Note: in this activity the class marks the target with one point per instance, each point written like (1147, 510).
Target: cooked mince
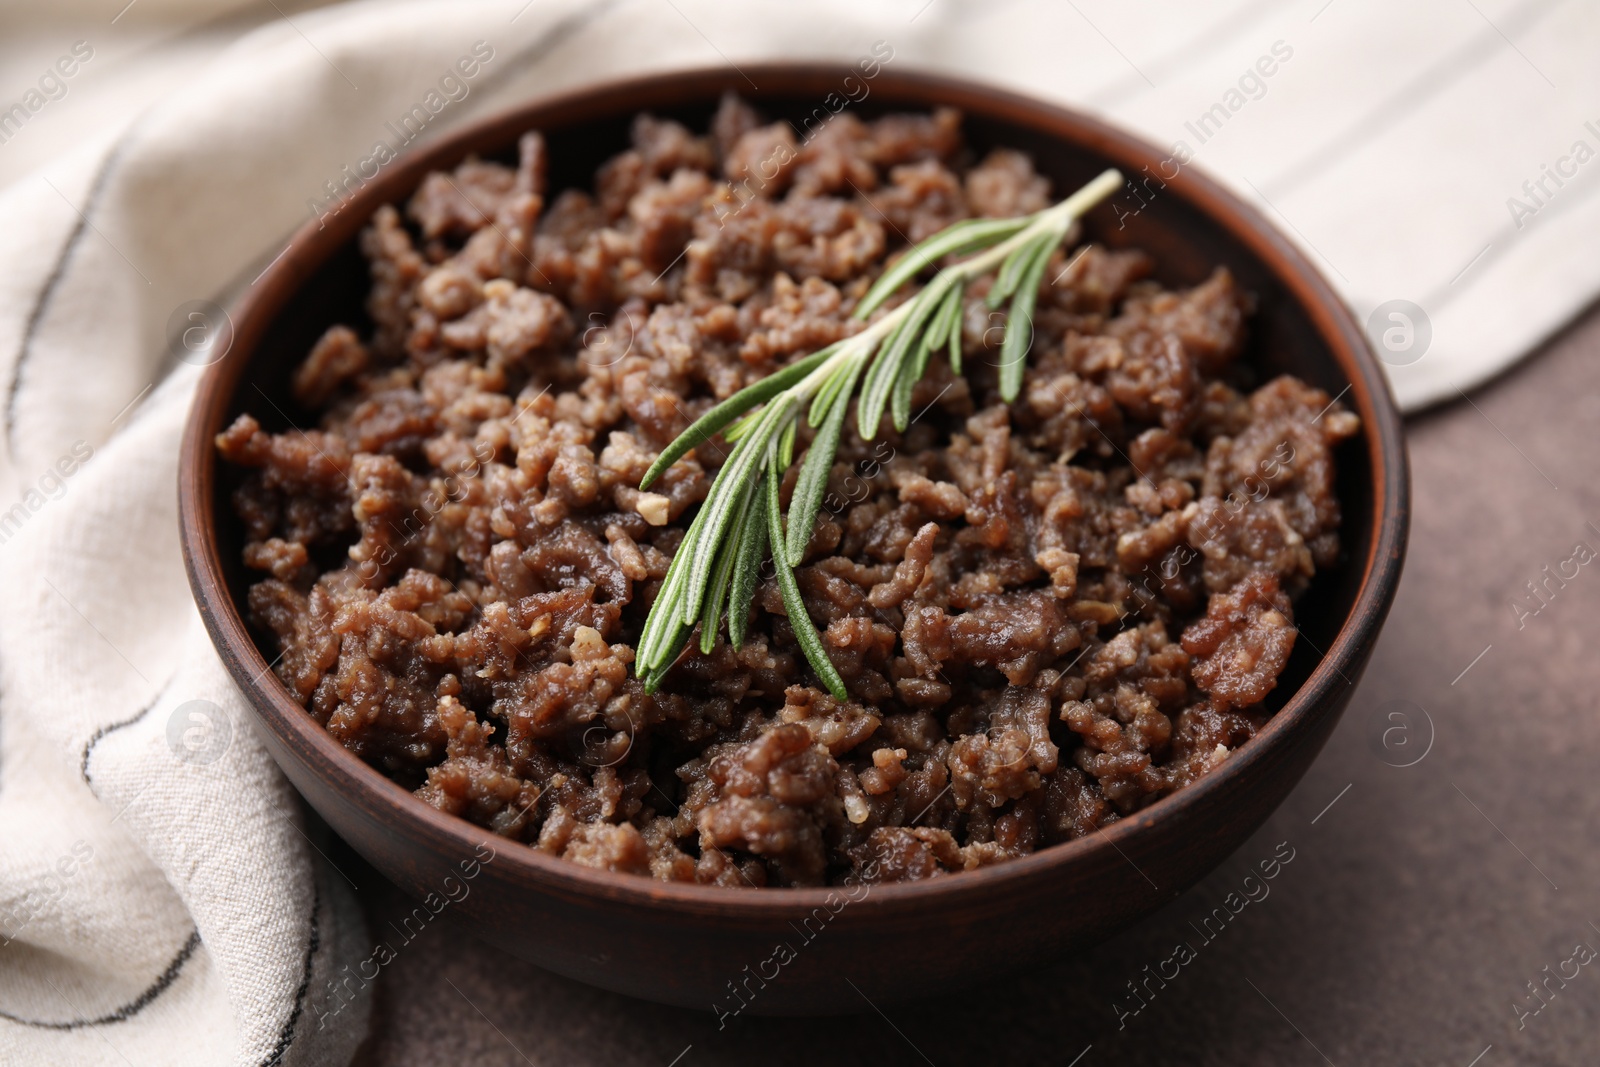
(1048, 614)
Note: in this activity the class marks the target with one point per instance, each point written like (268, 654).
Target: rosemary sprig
(713, 573)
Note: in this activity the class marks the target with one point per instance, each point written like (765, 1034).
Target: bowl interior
(1185, 221)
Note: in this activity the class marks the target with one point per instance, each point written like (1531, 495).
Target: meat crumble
(1048, 614)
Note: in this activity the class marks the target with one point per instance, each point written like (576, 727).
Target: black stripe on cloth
(88, 749)
(41, 303)
(313, 942)
(547, 42)
(134, 1006)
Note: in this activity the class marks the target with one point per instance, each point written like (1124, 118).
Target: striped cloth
(1439, 160)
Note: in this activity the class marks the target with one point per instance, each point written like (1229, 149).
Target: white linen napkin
(159, 900)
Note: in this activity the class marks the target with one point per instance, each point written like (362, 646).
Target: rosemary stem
(855, 347)
(1058, 217)
(713, 572)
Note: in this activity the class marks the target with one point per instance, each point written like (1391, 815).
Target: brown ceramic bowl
(689, 944)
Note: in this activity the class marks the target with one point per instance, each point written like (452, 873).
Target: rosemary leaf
(664, 622)
(881, 378)
(835, 384)
(948, 315)
(652, 679)
(799, 619)
(910, 373)
(957, 239)
(814, 469)
(674, 636)
(786, 446)
(711, 611)
(751, 539)
(948, 312)
(1019, 324)
(956, 324)
(733, 433)
(706, 426)
(743, 464)
(880, 369)
(1005, 283)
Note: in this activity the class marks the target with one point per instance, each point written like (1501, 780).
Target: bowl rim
(388, 802)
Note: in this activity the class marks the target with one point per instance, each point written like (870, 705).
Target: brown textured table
(1420, 901)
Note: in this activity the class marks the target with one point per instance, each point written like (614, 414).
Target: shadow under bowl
(692, 945)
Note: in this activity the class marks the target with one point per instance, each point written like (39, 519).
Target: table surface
(1421, 901)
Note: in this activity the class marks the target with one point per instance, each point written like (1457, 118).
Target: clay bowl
(691, 945)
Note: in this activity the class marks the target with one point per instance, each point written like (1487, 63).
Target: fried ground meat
(1048, 614)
